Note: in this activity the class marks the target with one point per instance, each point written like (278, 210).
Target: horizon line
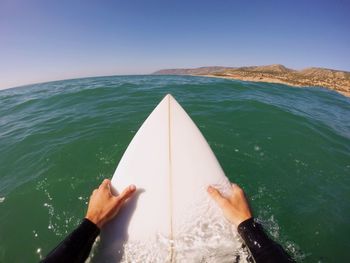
(145, 74)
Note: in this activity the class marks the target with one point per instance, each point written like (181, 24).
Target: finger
(215, 194)
(127, 193)
(106, 184)
(236, 188)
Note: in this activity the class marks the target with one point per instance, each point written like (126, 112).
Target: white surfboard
(171, 218)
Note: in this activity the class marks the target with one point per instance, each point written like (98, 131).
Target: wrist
(94, 219)
(243, 219)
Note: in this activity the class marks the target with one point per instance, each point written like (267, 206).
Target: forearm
(77, 246)
(262, 248)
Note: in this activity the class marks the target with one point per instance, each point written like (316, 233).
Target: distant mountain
(191, 71)
(320, 77)
(275, 68)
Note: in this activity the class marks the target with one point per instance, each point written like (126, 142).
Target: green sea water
(289, 148)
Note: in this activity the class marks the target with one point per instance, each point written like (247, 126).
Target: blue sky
(43, 40)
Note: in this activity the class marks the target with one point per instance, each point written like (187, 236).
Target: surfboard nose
(167, 99)
(169, 96)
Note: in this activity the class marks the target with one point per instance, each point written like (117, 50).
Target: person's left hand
(103, 205)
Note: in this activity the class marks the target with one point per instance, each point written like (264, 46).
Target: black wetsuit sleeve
(77, 246)
(262, 248)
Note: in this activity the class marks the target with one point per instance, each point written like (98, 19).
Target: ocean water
(289, 148)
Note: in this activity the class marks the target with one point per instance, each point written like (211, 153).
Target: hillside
(314, 77)
(191, 71)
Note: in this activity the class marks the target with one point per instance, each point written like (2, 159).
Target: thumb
(216, 195)
(127, 193)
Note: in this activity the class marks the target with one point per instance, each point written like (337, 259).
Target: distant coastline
(311, 77)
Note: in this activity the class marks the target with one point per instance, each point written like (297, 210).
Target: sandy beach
(336, 80)
(344, 91)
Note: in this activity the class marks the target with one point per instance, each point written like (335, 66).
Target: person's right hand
(236, 207)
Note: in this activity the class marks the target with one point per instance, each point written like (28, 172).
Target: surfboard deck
(171, 218)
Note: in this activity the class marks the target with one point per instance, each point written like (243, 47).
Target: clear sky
(43, 40)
